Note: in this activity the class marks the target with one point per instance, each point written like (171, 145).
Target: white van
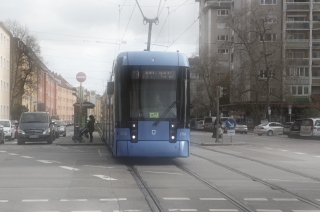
(8, 129)
(310, 127)
(208, 123)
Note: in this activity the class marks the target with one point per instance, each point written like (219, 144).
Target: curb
(81, 144)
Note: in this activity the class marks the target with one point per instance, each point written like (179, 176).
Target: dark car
(35, 127)
(286, 128)
(295, 129)
(62, 127)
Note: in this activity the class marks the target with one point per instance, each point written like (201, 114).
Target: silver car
(241, 128)
(271, 128)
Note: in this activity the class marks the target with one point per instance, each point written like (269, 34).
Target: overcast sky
(86, 35)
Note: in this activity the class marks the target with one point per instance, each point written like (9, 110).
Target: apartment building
(5, 37)
(65, 99)
(296, 24)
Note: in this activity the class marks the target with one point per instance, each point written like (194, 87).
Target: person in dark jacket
(90, 126)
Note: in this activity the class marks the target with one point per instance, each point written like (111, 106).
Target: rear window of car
(5, 123)
(297, 122)
(307, 122)
(265, 124)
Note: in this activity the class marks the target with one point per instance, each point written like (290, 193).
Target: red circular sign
(81, 77)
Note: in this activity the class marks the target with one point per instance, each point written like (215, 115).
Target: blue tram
(148, 105)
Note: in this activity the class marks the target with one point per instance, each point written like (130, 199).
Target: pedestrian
(90, 126)
(215, 125)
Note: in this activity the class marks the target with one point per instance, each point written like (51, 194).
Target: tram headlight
(172, 126)
(172, 137)
(133, 125)
(133, 137)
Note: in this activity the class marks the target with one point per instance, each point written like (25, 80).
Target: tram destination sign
(168, 75)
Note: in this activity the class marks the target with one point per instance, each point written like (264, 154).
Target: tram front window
(150, 97)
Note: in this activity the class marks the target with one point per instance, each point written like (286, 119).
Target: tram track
(261, 181)
(261, 162)
(151, 198)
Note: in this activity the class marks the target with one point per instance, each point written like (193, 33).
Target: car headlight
(21, 131)
(47, 131)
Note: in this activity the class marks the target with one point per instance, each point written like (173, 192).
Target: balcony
(297, 44)
(298, 25)
(315, 62)
(298, 61)
(316, 6)
(298, 6)
(224, 4)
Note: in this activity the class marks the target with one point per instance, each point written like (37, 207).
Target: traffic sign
(81, 77)
(231, 124)
(231, 132)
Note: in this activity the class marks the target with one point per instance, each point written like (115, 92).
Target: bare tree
(25, 54)
(211, 73)
(258, 74)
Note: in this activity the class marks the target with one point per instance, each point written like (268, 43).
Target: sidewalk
(67, 141)
(205, 139)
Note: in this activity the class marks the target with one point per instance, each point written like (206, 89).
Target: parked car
(1, 135)
(193, 123)
(310, 127)
(240, 128)
(200, 125)
(62, 127)
(271, 128)
(223, 123)
(8, 129)
(34, 127)
(208, 123)
(295, 129)
(286, 128)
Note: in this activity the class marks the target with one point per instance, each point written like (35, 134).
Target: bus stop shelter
(81, 115)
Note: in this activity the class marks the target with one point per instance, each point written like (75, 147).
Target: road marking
(299, 153)
(212, 199)
(48, 161)
(113, 199)
(267, 148)
(100, 167)
(2, 200)
(26, 157)
(283, 150)
(318, 200)
(73, 200)
(317, 156)
(79, 151)
(85, 211)
(285, 199)
(35, 200)
(3, 151)
(183, 210)
(223, 210)
(175, 198)
(267, 210)
(255, 199)
(127, 210)
(69, 168)
(12, 154)
(164, 172)
(104, 177)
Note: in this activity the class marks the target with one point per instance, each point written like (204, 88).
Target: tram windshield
(152, 91)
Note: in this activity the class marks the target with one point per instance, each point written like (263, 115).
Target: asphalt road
(257, 173)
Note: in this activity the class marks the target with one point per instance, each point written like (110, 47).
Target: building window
(300, 90)
(270, 19)
(223, 12)
(263, 74)
(295, 36)
(295, 55)
(223, 37)
(223, 51)
(268, 37)
(316, 54)
(266, 2)
(299, 71)
(296, 18)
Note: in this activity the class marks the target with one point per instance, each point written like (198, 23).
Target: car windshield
(60, 123)
(265, 124)
(5, 123)
(34, 118)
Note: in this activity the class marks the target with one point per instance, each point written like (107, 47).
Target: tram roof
(154, 58)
